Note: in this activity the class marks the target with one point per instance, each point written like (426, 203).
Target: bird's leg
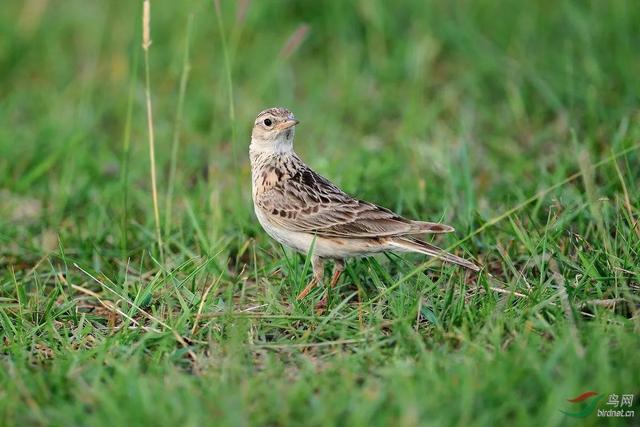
(318, 272)
(338, 268)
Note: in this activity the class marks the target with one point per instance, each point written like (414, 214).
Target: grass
(516, 123)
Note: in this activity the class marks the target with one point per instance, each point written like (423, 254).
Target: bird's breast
(293, 239)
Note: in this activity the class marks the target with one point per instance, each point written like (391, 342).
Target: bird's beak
(288, 124)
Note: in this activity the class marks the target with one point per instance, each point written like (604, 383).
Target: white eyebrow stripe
(276, 112)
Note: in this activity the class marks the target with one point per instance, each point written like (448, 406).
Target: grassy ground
(515, 122)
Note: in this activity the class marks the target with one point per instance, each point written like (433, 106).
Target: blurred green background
(470, 112)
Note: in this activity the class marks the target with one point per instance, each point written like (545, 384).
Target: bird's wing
(308, 202)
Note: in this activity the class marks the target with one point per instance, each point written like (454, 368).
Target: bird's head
(274, 130)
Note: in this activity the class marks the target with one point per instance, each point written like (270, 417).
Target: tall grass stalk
(227, 67)
(126, 144)
(175, 145)
(146, 43)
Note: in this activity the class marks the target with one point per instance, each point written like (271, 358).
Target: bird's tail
(423, 227)
(415, 245)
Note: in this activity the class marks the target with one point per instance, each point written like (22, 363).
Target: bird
(305, 211)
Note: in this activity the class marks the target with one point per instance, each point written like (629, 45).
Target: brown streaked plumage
(301, 209)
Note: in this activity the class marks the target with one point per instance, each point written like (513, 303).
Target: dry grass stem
(146, 43)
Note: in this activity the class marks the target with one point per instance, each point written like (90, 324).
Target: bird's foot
(321, 305)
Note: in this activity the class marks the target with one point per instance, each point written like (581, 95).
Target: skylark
(305, 211)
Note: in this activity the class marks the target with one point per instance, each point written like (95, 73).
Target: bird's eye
(268, 122)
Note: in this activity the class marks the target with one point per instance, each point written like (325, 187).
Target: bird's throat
(282, 145)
